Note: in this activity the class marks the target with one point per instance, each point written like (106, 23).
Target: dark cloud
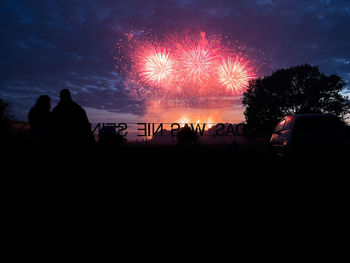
(48, 45)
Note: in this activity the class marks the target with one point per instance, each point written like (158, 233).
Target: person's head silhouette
(43, 103)
(65, 94)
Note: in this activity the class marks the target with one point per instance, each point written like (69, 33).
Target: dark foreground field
(144, 185)
(146, 159)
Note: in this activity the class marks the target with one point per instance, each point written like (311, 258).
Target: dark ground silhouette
(201, 160)
(72, 145)
(132, 180)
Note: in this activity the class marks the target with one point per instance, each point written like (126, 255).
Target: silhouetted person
(40, 121)
(72, 127)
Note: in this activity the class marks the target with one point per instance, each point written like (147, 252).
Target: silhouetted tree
(301, 89)
(5, 117)
(187, 137)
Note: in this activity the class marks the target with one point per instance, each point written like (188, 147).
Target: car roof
(313, 115)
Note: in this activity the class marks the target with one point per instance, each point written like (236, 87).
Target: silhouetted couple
(67, 126)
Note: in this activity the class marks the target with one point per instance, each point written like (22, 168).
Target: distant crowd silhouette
(65, 127)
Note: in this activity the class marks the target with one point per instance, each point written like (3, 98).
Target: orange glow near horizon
(156, 112)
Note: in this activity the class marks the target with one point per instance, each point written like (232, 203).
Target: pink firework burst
(196, 55)
(197, 62)
(234, 74)
(182, 66)
(158, 67)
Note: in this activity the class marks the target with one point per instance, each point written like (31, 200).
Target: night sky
(50, 45)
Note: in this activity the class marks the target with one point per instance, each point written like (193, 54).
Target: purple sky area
(50, 45)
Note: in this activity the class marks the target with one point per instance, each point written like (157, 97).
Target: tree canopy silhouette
(300, 89)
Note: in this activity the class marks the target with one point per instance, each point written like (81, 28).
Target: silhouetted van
(314, 134)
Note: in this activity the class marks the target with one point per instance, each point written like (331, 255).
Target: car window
(280, 125)
(287, 123)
